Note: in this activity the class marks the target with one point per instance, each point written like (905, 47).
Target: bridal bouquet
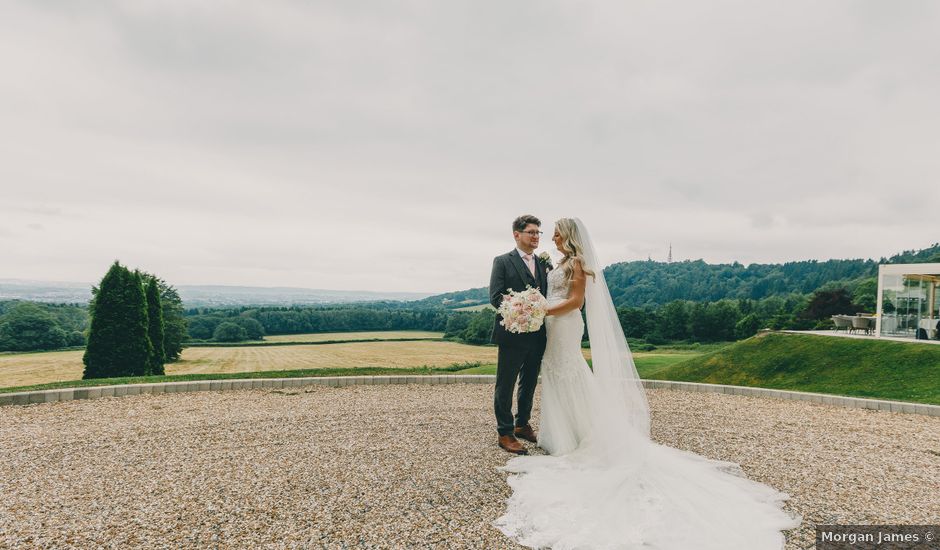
(523, 311)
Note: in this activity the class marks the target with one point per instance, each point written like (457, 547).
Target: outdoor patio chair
(842, 322)
(863, 323)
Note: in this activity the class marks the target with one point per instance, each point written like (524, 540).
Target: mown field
(58, 368)
(30, 369)
(341, 336)
(23, 369)
(39, 368)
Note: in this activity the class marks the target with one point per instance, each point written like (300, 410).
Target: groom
(520, 355)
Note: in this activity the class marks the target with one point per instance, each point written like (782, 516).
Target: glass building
(908, 301)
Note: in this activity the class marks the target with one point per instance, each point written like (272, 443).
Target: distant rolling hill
(457, 300)
(649, 283)
(635, 283)
(203, 295)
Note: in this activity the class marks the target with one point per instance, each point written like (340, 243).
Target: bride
(605, 483)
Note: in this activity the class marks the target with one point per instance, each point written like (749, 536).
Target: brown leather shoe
(512, 445)
(525, 432)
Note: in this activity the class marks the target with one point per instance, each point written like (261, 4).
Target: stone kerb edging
(70, 394)
(823, 398)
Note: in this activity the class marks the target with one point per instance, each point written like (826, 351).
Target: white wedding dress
(606, 484)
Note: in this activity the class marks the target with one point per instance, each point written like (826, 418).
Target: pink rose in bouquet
(523, 311)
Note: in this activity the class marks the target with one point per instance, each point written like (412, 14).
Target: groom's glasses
(532, 233)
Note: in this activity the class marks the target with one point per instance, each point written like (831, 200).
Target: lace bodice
(558, 287)
(562, 360)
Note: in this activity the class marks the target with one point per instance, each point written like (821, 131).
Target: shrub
(826, 303)
(253, 328)
(27, 327)
(76, 338)
(229, 332)
(457, 322)
(480, 328)
(747, 326)
(203, 326)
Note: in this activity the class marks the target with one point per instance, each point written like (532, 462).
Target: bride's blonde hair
(572, 247)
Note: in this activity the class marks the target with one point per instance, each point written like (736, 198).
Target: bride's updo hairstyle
(572, 247)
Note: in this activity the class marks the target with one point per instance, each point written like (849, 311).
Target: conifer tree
(99, 357)
(118, 344)
(174, 320)
(140, 351)
(155, 330)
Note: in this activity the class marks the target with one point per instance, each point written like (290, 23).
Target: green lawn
(300, 373)
(647, 364)
(824, 364)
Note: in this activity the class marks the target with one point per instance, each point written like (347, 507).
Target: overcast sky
(388, 145)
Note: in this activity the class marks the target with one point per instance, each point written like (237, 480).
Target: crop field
(38, 368)
(24, 369)
(353, 355)
(336, 336)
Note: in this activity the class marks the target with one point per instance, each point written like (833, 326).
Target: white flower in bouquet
(523, 311)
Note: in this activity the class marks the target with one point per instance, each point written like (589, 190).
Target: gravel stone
(397, 465)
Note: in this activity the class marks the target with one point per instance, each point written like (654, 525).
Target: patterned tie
(530, 263)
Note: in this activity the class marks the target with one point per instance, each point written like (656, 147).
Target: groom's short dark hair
(522, 221)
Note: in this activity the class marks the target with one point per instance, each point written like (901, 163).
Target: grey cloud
(43, 211)
(381, 144)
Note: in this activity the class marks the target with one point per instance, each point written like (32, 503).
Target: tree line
(676, 321)
(31, 326)
(658, 302)
(686, 321)
(234, 324)
(652, 284)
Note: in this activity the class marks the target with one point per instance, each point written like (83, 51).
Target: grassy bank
(647, 364)
(841, 366)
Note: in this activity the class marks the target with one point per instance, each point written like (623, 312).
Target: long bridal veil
(619, 489)
(621, 399)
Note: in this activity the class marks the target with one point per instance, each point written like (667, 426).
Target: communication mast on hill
(669, 260)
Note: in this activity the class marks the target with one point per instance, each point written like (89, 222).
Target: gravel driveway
(399, 465)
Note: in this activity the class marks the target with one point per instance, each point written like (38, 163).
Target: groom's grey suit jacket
(511, 273)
